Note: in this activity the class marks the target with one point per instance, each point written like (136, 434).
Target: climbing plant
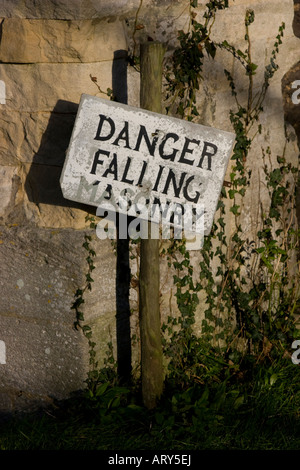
(95, 372)
(183, 72)
(250, 284)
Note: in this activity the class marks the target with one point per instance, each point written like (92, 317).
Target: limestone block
(36, 252)
(39, 137)
(51, 216)
(64, 9)
(158, 19)
(11, 136)
(32, 193)
(42, 359)
(45, 355)
(52, 87)
(35, 184)
(83, 9)
(10, 182)
(43, 268)
(60, 41)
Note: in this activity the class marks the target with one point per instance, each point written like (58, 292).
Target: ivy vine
(251, 286)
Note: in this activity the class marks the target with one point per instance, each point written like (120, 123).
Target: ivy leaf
(231, 193)
(235, 209)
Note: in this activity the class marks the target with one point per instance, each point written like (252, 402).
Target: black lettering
(172, 155)
(127, 166)
(97, 161)
(100, 126)
(176, 187)
(143, 171)
(185, 191)
(196, 213)
(207, 154)
(176, 218)
(108, 192)
(186, 149)
(113, 168)
(161, 169)
(124, 199)
(124, 135)
(151, 145)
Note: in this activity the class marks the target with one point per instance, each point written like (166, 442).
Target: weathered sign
(127, 158)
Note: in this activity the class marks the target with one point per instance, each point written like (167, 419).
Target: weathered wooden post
(151, 55)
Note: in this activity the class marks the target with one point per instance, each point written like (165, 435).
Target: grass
(256, 412)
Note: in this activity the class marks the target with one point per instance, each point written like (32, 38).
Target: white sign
(125, 157)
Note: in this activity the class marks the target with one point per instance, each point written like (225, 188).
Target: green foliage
(79, 301)
(183, 74)
(108, 401)
(108, 91)
(236, 377)
(255, 410)
(250, 286)
(109, 371)
(258, 300)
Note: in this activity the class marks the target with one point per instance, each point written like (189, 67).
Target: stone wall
(49, 50)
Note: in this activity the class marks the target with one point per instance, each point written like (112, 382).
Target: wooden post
(152, 54)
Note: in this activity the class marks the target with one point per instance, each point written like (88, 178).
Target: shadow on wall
(296, 20)
(42, 183)
(291, 92)
(43, 187)
(120, 93)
